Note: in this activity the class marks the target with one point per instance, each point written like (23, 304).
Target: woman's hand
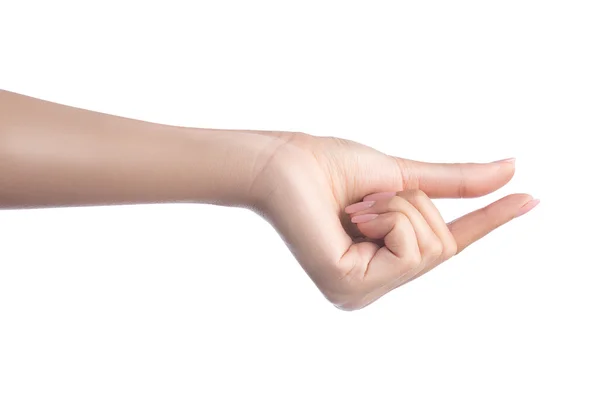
(361, 223)
(53, 155)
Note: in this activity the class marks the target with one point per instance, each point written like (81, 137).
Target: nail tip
(530, 205)
(511, 160)
(360, 206)
(379, 196)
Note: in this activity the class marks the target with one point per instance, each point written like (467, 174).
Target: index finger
(456, 180)
(475, 225)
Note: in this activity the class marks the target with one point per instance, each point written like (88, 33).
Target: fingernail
(530, 205)
(356, 207)
(507, 160)
(364, 218)
(379, 196)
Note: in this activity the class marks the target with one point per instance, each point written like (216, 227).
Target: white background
(187, 302)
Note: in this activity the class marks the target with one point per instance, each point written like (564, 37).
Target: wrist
(230, 165)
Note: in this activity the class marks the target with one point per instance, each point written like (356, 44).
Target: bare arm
(54, 155)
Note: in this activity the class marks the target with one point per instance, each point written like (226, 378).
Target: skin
(361, 223)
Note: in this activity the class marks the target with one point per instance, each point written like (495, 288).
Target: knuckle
(434, 248)
(395, 203)
(420, 198)
(416, 194)
(401, 220)
(412, 259)
(450, 249)
(419, 194)
(416, 197)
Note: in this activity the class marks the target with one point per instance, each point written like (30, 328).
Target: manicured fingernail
(364, 218)
(379, 196)
(507, 160)
(528, 207)
(356, 207)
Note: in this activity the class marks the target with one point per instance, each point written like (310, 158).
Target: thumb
(456, 180)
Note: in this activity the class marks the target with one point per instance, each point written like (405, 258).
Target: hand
(361, 223)
(54, 155)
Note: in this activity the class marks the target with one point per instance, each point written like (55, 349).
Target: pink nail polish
(356, 207)
(364, 218)
(380, 196)
(528, 207)
(507, 160)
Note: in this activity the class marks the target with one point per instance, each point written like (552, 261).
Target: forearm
(53, 155)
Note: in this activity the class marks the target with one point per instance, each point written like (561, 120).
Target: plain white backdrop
(188, 302)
